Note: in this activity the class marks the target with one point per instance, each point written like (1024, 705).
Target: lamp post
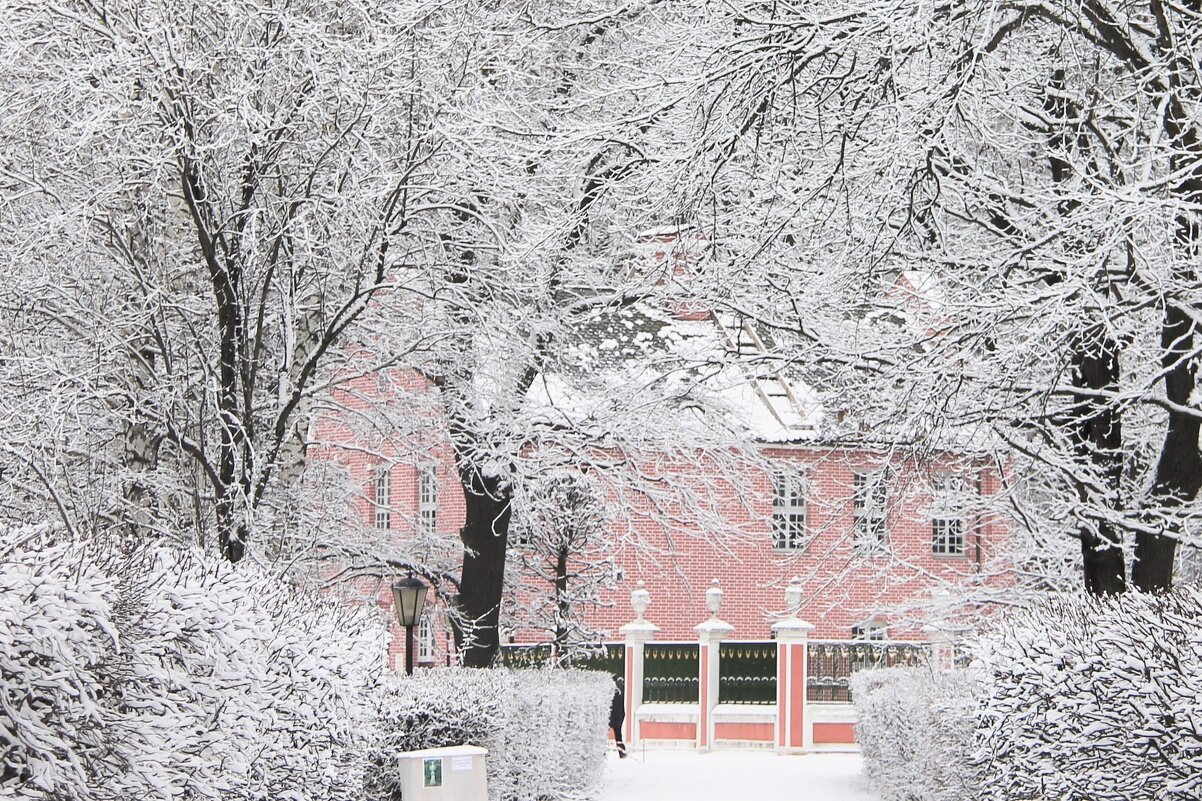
(408, 597)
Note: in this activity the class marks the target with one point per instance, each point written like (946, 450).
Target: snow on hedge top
(169, 674)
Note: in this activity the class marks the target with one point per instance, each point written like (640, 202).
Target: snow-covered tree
(220, 212)
(560, 139)
(564, 553)
(978, 224)
(200, 199)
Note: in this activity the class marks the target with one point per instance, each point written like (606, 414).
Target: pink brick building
(881, 540)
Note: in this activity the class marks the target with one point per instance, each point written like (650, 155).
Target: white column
(710, 634)
(636, 633)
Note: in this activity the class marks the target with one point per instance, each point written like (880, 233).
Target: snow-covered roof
(712, 366)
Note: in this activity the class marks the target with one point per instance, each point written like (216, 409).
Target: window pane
(789, 512)
(947, 515)
(427, 499)
(381, 513)
(425, 639)
(870, 498)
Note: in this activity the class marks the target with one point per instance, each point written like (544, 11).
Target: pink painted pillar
(710, 635)
(636, 634)
(794, 731)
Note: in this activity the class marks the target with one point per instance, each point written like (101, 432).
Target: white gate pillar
(710, 635)
(636, 634)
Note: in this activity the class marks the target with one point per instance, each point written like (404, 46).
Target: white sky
(664, 775)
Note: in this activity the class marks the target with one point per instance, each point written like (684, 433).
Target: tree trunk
(1179, 469)
(485, 535)
(1103, 563)
(1094, 423)
(1098, 437)
(563, 606)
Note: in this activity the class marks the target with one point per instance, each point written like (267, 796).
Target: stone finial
(793, 597)
(640, 599)
(713, 599)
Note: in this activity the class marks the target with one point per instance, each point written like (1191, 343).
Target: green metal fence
(525, 656)
(607, 657)
(670, 673)
(747, 672)
(830, 664)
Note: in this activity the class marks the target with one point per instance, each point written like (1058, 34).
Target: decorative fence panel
(747, 672)
(670, 673)
(830, 664)
(525, 656)
(609, 657)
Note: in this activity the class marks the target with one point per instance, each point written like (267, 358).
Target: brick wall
(677, 557)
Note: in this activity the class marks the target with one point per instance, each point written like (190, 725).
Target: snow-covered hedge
(915, 729)
(545, 730)
(172, 674)
(1097, 699)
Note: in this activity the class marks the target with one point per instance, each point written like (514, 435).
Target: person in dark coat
(617, 716)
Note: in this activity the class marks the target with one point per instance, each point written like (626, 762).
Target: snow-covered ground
(661, 775)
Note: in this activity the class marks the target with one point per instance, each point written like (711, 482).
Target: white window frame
(381, 517)
(790, 510)
(870, 505)
(949, 526)
(427, 498)
(870, 631)
(521, 538)
(426, 639)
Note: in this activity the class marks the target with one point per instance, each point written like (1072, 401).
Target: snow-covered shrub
(239, 686)
(556, 739)
(55, 629)
(545, 730)
(431, 709)
(172, 674)
(915, 729)
(1097, 699)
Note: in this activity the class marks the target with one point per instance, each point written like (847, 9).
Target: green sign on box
(432, 772)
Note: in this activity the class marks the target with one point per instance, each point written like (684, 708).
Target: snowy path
(734, 776)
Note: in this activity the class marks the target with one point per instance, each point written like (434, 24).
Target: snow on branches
(980, 223)
(545, 730)
(168, 672)
(1096, 699)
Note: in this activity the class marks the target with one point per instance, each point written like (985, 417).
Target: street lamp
(409, 596)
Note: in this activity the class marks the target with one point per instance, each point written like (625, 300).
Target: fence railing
(670, 673)
(830, 664)
(524, 656)
(747, 672)
(608, 657)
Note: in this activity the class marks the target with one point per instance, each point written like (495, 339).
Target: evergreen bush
(545, 729)
(915, 728)
(173, 674)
